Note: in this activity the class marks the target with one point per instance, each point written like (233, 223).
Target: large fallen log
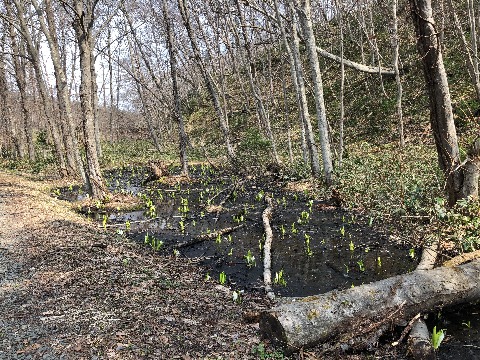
(350, 315)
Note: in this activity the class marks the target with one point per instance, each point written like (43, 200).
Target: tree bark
(25, 139)
(470, 53)
(33, 52)
(398, 80)
(9, 144)
(304, 14)
(19, 136)
(356, 312)
(83, 25)
(458, 181)
(342, 85)
(211, 86)
(72, 150)
(296, 69)
(177, 111)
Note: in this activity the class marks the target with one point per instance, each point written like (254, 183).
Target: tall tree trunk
(307, 127)
(177, 111)
(110, 82)
(395, 46)
(470, 54)
(473, 36)
(342, 86)
(8, 132)
(296, 72)
(20, 79)
(44, 94)
(140, 79)
(375, 51)
(207, 77)
(461, 179)
(94, 86)
(73, 156)
(251, 71)
(83, 24)
(286, 111)
(304, 14)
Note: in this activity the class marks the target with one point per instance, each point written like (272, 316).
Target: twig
(131, 222)
(406, 330)
(209, 236)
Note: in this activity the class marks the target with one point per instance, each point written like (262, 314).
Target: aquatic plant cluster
(217, 216)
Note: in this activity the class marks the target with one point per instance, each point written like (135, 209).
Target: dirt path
(69, 290)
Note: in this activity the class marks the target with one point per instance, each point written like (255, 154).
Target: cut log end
(272, 329)
(419, 344)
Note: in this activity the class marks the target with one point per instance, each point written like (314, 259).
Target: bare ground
(69, 290)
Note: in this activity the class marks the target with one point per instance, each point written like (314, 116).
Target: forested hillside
(343, 125)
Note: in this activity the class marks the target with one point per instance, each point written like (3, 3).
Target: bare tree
(7, 128)
(304, 14)
(73, 163)
(49, 29)
(263, 117)
(209, 81)
(396, 46)
(461, 178)
(177, 112)
(342, 84)
(470, 52)
(83, 23)
(296, 69)
(18, 58)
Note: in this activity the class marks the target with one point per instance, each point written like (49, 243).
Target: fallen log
(267, 248)
(354, 65)
(354, 312)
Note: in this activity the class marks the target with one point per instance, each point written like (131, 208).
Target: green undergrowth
(126, 151)
(460, 225)
(386, 181)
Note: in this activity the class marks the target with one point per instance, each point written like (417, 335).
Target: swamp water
(316, 247)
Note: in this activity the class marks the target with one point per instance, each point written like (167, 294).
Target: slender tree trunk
(441, 35)
(110, 82)
(146, 108)
(25, 139)
(44, 94)
(83, 24)
(342, 87)
(459, 177)
(177, 112)
(375, 51)
(304, 13)
(9, 133)
(73, 156)
(471, 60)
(395, 46)
(251, 71)
(287, 117)
(473, 36)
(207, 77)
(94, 86)
(309, 147)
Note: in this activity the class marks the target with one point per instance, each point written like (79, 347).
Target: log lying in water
(357, 312)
